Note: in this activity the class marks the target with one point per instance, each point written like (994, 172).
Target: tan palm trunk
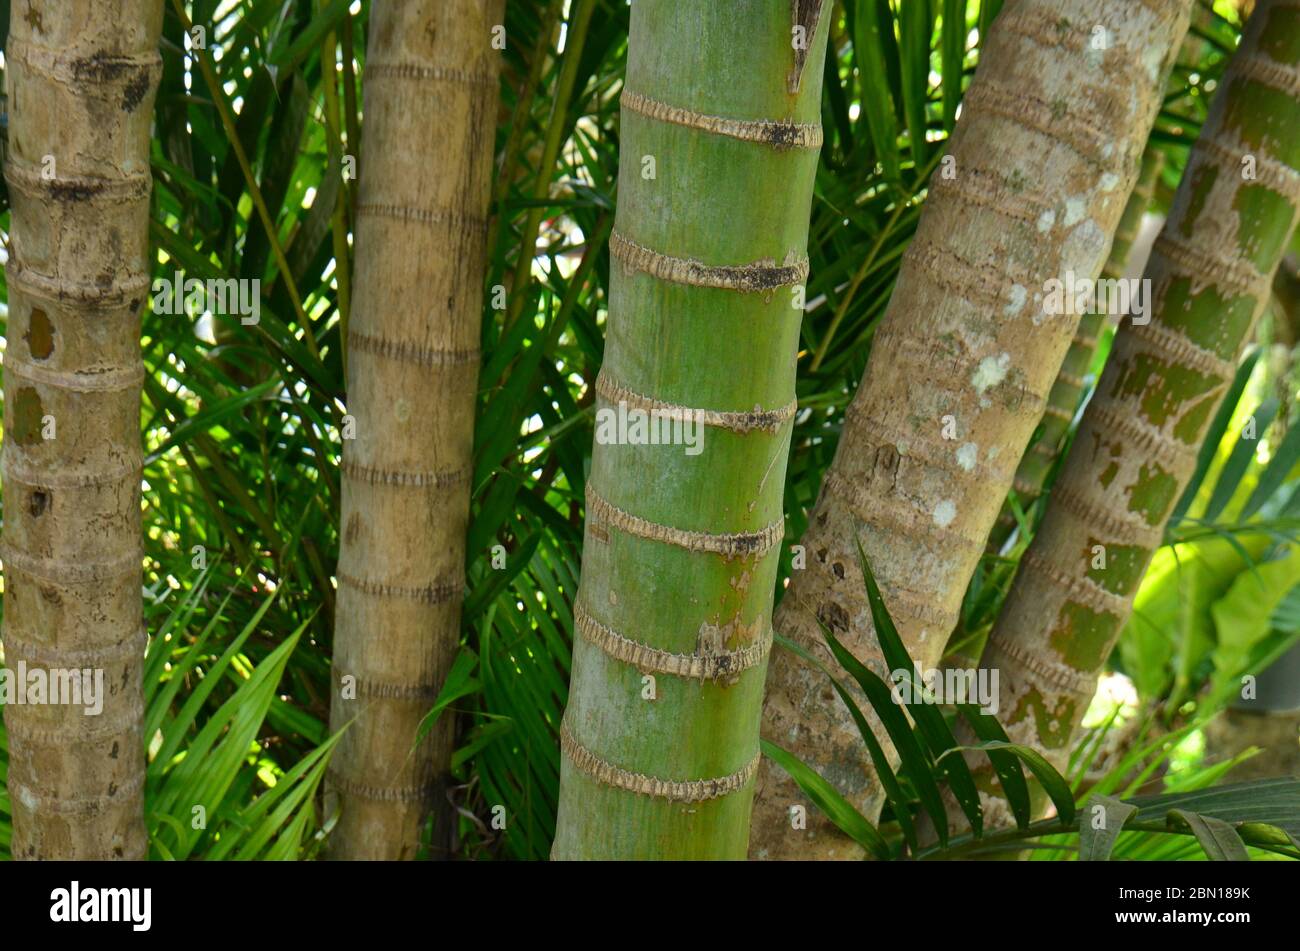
(1066, 393)
(82, 76)
(1046, 154)
(413, 360)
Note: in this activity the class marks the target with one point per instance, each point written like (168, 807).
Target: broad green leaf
(1172, 628)
(1100, 824)
(1243, 616)
(1275, 802)
(1219, 840)
(1005, 764)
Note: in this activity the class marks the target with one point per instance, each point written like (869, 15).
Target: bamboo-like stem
(413, 358)
(82, 78)
(1045, 155)
(1210, 272)
(719, 153)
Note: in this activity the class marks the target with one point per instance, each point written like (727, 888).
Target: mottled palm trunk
(673, 617)
(1210, 272)
(1046, 154)
(413, 359)
(82, 76)
(1067, 391)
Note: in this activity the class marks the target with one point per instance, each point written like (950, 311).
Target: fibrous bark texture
(413, 357)
(82, 77)
(673, 616)
(1210, 273)
(1046, 153)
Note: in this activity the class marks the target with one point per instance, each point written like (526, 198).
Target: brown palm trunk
(1047, 152)
(413, 359)
(82, 76)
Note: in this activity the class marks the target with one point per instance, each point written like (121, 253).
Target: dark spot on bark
(821, 554)
(838, 570)
(51, 594)
(782, 135)
(35, 21)
(117, 851)
(806, 14)
(354, 526)
(40, 501)
(112, 754)
(40, 335)
(102, 67)
(833, 616)
(887, 462)
(747, 544)
(821, 523)
(28, 414)
(135, 91)
(74, 191)
(112, 790)
(758, 277)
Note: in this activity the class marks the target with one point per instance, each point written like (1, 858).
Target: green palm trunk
(1210, 272)
(673, 616)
